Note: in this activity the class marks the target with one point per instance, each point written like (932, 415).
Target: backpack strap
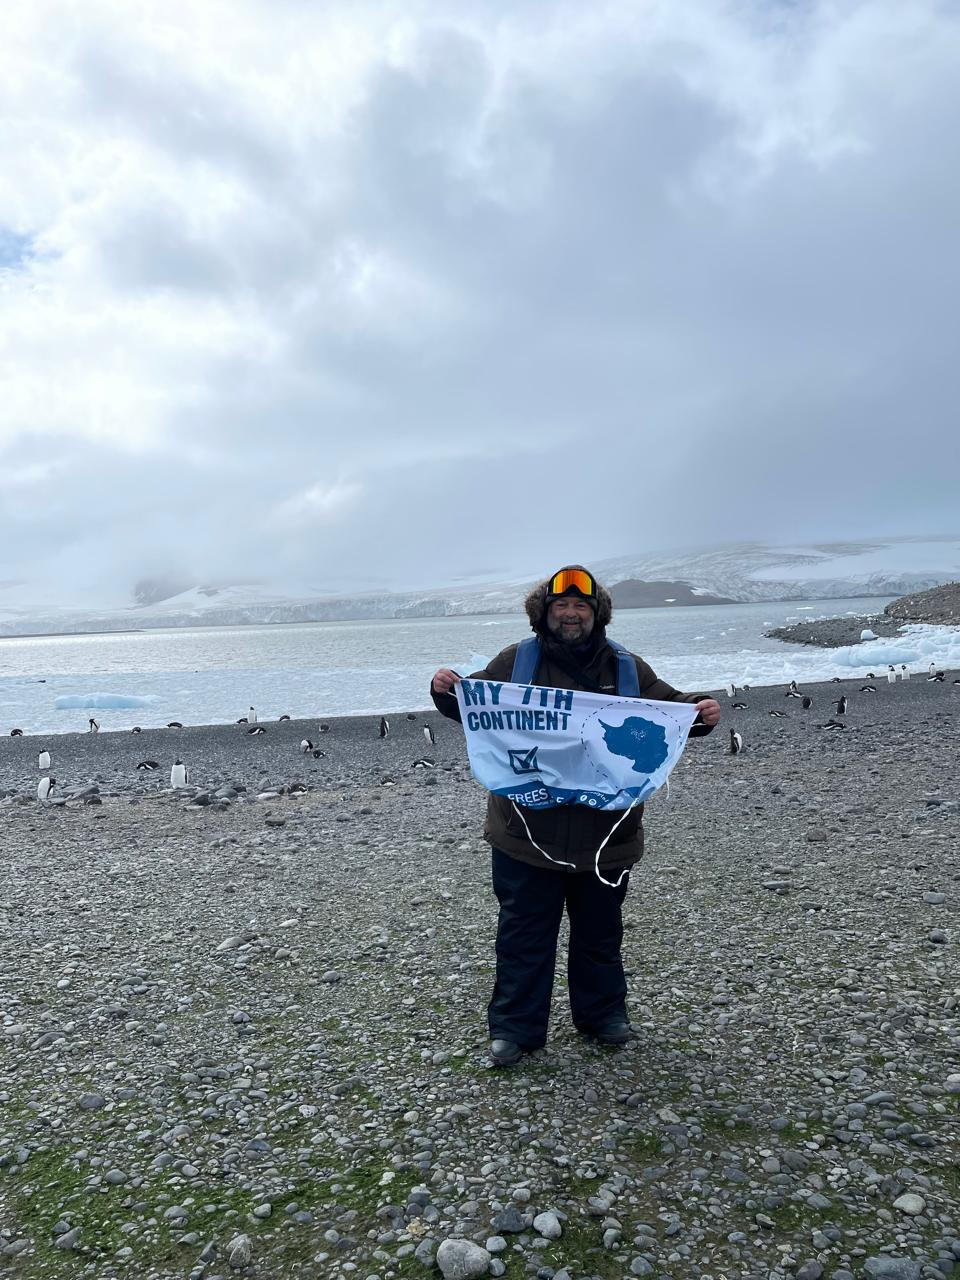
(628, 685)
(526, 660)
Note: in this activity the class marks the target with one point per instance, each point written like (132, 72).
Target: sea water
(211, 675)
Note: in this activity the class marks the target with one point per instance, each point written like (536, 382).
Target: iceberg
(100, 701)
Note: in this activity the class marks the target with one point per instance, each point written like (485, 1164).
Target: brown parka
(569, 833)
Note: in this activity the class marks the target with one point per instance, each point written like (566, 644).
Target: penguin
(891, 674)
(793, 693)
(781, 715)
(938, 676)
(731, 689)
(243, 720)
(174, 724)
(871, 675)
(387, 782)
(835, 680)
(43, 760)
(868, 688)
(793, 687)
(44, 787)
(384, 726)
(745, 688)
(740, 706)
(736, 742)
(136, 729)
(94, 726)
(904, 673)
(931, 669)
(178, 775)
(252, 715)
(324, 728)
(256, 730)
(148, 766)
(16, 733)
(425, 763)
(306, 745)
(833, 724)
(411, 716)
(297, 788)
(807, 702)
(428, 734)
(280, 719)
(318, 755)
(842, 705)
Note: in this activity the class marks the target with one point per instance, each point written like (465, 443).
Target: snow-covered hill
(742, 571)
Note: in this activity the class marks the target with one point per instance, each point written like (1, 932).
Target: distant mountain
(749, 571)
(633, 593)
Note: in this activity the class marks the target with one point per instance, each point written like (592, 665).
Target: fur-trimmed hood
(536, 606)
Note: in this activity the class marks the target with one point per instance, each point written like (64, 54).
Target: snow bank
(100, 701)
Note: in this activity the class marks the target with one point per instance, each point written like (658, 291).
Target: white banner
(546, 747)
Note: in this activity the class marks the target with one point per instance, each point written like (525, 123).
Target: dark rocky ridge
(634, 593)
(939, 605)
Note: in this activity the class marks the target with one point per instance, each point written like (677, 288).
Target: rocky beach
(242, 1024)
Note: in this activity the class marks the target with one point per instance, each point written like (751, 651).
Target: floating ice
(75, 701)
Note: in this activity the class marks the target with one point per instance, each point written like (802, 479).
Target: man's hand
(709, 710)
(445, 679)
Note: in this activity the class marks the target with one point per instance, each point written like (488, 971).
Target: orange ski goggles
(578, 580)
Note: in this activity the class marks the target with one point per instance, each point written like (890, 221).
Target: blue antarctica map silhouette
(639, 740)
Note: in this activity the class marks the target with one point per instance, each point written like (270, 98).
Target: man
(569, 613)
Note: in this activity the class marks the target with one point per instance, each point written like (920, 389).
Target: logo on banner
(524, 761)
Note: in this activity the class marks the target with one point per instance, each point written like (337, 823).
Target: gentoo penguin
(16, 733)
(835, 680)
(43, 760)
(793, 687)
(424, 764)
(257, 729)
(740, 706)
(731, 689)
(745, 688)
(904, 673)
(871, 675)
(428, 734)
(324, 728)
(44, 787)
(297, 789)
(243, 720)
(931, 669)
(781, 715)
(306, 745)
(148, 766)
(833, 724)
(793, 693)
(384, 726)
(891, 674)
(411, 716)
(136, 729)
(280, 719)
(736, 742)
(94, 726)
(174, 724)
(842, 705)
(318, 754)
(387, 782)
(807, 702)
(178, 775)
(868, 688)
(938, 676)
(252, 715)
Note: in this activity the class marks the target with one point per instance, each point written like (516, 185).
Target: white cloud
(463, 261)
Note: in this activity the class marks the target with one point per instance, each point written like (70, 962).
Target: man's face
(570, 619)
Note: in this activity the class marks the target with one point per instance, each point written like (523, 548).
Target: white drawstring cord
(613, 884)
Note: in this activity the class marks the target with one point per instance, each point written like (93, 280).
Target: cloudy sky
(366, 293)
